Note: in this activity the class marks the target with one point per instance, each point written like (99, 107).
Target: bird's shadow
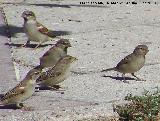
(119, 78)
(60, 33)
(42, 87)
(11, 106)
(99, 5)
(70, 5)
(27, 46)
(12, 30)
(52, 5)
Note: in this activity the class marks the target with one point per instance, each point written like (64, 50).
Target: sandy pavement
(101, 35)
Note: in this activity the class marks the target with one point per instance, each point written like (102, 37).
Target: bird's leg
(137, 78)
(123, 76)
(56, 88)
(38, 45)
(25, 108)
(124, 79)
(24, 45)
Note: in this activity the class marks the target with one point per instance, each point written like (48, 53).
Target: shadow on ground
(27, 46)
(64, 6)
(57, 88)
(119, 78)
(53, 88)
(61, 33)
(13, 30)
(69, 5)
(11, 106)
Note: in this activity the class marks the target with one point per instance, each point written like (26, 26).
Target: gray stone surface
(7, 74)
(104, 35)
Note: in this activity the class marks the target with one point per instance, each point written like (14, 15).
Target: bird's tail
(109, 69)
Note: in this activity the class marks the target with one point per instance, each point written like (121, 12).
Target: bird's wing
(19, 89)
(44, 30)
(49, 74)
(126, 60)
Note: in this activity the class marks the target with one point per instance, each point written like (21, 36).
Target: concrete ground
(101, 35)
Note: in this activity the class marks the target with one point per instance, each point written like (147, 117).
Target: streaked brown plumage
(21, 91)
(132, 63)
(57, 73)
(51, 57)
(35, 30)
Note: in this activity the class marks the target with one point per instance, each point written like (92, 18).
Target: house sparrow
(21, 92)
(35, 30)
(51, 57)
(57, 73)
(132, 63)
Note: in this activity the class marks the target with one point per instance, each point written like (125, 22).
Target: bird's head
(69, 59)
(63, 42)
(27, 15)
(141, 50)
(33, 74)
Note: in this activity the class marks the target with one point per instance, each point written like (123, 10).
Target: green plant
(140, 108)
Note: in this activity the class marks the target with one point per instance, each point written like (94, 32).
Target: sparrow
(132, 62)
(57, 73)
(34, 30)
(51, 57)
(21, 91)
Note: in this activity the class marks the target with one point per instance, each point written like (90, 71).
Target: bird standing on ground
(132, 63)
(57, 73)
(35, 30)
(21, 92)
(51, 57)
